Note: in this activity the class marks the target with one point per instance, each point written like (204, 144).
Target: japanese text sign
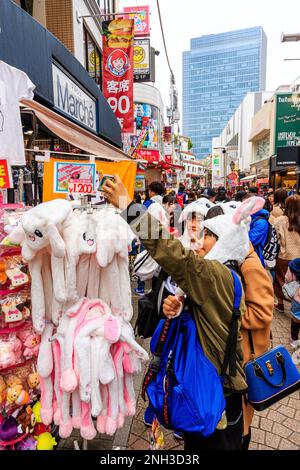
(5, 176)
(118, 69)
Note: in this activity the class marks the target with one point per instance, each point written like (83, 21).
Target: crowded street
(149, 231)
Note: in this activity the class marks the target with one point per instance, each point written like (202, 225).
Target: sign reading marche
(72, 100)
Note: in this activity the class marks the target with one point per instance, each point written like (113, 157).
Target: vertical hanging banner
(118, 69)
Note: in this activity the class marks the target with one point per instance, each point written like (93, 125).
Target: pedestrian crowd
(217, 258)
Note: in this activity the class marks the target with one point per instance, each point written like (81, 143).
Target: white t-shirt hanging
(14, 85)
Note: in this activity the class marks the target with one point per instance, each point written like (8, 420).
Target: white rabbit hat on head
(229, 207)
(232, 232)
(200, 206)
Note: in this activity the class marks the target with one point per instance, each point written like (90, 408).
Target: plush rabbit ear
(17, 236)
(248, 207)
(58, 246)
(27, 253)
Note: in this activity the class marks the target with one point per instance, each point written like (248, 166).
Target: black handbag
(270, 376)
(148, 314)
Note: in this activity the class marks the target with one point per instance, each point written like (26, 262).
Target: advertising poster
(74, 177)
(287, 120)
(140, 184)
(141, 17)
(217, 170)
(118, 69)
(141, 60)
(146, 116)
(5, 175)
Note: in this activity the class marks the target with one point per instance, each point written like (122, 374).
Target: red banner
(150, 155)
(118, 69)
(141, 17)
(5, 176)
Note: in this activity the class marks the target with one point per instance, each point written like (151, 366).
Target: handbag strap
(230, 350)
(156, 358)
(259, 372)
(251, 343)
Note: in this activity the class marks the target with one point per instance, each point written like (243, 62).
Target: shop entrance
(286, 179)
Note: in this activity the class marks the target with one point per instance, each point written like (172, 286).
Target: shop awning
(74, 134)
(248, 178)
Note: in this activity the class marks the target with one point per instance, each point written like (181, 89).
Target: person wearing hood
(259, 314)
(156, 191)
(208, 284)
(259, 229)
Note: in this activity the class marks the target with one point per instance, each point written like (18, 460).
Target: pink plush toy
(32, 345)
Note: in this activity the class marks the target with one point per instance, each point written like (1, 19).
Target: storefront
(285, 175)
(69, 113)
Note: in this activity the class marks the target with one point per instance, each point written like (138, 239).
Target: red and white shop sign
(118, 70)
(150, 155)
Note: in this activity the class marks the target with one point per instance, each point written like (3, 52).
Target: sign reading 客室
(73, 100)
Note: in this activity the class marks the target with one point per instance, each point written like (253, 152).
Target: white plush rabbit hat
(40, 228)
(232, 231)
(229, 207)
(201, 207)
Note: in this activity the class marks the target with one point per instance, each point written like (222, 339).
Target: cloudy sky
(185, 19)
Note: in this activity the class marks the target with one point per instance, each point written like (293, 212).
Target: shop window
(93, 58)
(27, 5)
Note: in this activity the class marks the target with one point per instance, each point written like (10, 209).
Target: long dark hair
(280, 196)
(292, 211)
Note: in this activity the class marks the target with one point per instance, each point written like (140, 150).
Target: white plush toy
(40, 232)
(232, 231)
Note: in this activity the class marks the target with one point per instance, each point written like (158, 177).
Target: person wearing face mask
(208, 284)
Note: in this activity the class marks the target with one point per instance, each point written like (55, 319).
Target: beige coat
(259, 298)
(289, 241)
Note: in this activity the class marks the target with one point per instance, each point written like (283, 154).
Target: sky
(185, 19)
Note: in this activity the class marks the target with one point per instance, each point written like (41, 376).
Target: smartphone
(103, 179)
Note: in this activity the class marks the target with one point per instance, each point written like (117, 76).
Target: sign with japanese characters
(118, 69)
(5, 175)
(70, 177)
(141, 60)
(141, 17)
(150, 155)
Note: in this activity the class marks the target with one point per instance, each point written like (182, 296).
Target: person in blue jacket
(258, 233)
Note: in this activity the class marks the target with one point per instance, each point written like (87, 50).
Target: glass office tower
(218, 71)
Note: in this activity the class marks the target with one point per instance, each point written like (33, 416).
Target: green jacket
(208, 284)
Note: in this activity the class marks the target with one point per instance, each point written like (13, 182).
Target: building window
(106, 6)
(93, 57)
(27, 5)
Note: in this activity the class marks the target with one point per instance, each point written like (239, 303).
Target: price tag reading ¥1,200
(80, 187)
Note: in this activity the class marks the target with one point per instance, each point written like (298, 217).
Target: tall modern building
(218, 71)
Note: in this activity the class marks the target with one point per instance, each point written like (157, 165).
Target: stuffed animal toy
(32, 345)
(10, 351)
(2, 390)
(45, 441)
(33, 380)
(41, 230)
(26, 419)
(9, 429)
(17, 395)
(29, 443)
(3, 275)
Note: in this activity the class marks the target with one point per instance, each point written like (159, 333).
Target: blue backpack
(182, 385)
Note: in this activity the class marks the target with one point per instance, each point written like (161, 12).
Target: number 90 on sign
(122, 105)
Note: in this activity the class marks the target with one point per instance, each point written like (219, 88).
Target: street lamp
(290, 37)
